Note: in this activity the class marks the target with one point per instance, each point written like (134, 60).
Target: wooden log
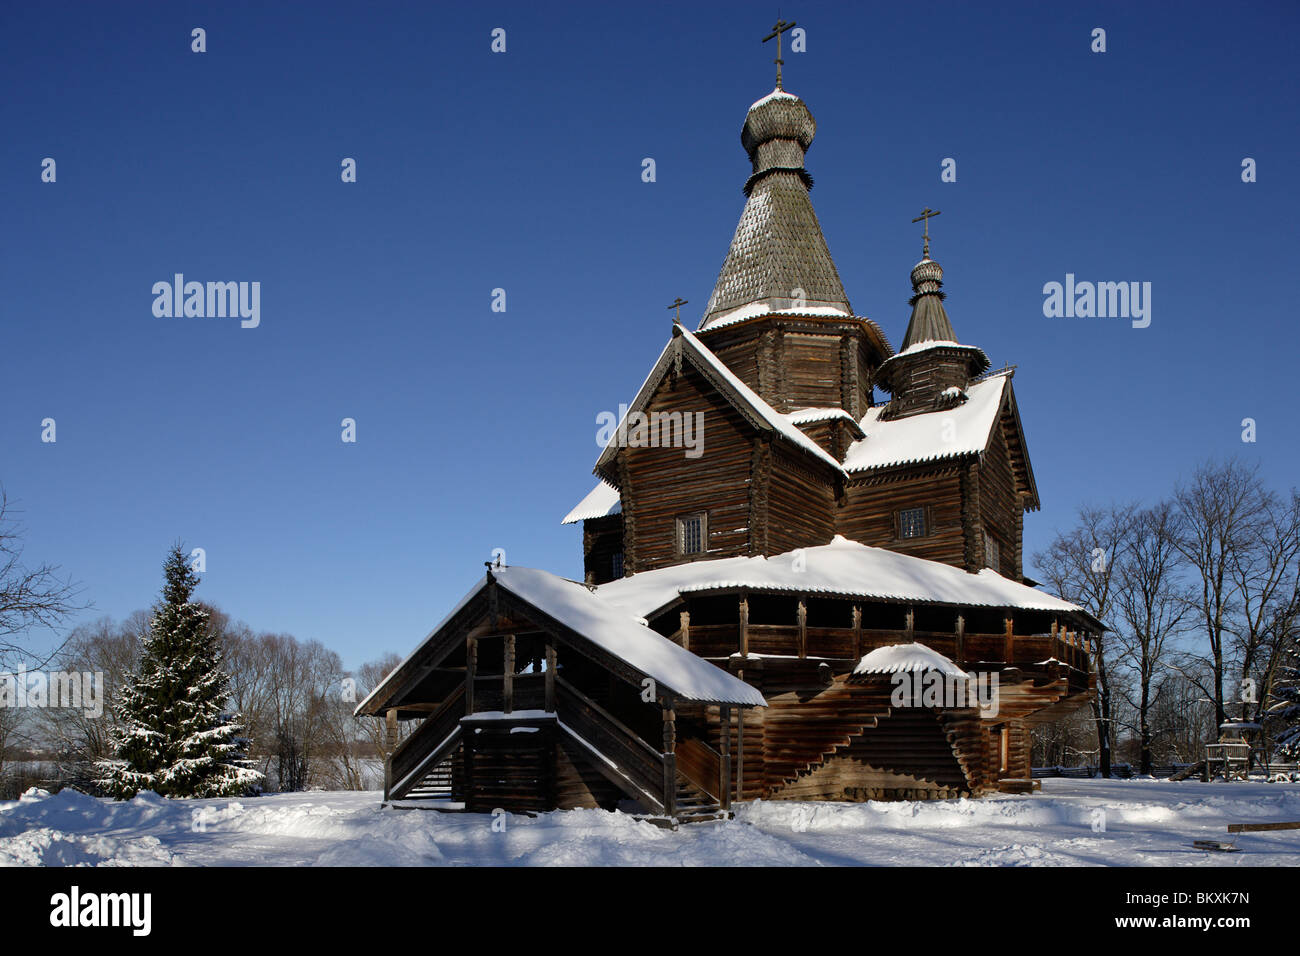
(1257, 827)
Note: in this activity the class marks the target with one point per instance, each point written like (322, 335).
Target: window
(911, 523)
(692, 531)
(617, 564)
(990, 551)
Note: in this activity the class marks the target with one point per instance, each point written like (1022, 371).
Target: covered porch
(535, 695)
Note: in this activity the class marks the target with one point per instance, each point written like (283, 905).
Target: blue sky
(522, 171)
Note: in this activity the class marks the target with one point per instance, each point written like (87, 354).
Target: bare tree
(1152, 608)
(1079, 565)
(1221, 512)
(30, 597)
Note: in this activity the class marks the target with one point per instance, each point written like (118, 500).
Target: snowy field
(1146, 822)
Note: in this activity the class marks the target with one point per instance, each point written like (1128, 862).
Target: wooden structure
(760, 513)
(1230, 757)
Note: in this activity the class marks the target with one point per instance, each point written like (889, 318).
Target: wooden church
(792, 590)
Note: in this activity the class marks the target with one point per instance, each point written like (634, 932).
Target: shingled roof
(778, 247)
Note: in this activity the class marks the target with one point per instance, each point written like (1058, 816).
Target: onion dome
(778, 130)
(778, 260)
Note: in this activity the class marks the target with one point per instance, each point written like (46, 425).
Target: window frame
(991, 543)
(680, 533)
(921, 510)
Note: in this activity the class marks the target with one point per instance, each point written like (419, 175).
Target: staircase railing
(639, 764)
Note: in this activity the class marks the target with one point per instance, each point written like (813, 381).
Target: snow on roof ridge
(906, 658)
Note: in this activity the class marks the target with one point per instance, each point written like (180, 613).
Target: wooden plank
(1259, 827)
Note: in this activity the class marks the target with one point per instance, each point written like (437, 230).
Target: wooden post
(744, 626)
(670, 759)
(471, 665)
(802, 616)
(390, 744)
(508, 675)
(857, 631)
(1009, 647)
(961, 638)
(550, 677)
(724, 748)
(911, 623)
(685, 619)
(740, 753)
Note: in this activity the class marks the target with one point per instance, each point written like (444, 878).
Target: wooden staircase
(696, 806)
(437, 783)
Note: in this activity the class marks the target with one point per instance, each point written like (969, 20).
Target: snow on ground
(1147, 822)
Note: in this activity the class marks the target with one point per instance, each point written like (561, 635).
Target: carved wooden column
(550, 677)
(724, 748)
(802, 617)
(744, 626)
(508, 676)
(670, 758)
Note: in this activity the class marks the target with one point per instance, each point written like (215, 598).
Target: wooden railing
(637, 761)
(701, 765)
(846, 643)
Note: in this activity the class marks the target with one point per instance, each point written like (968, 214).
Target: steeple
(778, 260)
(932, 369)
(929, 322)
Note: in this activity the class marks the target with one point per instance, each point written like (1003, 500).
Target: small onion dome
(778, 130)
(927, 276)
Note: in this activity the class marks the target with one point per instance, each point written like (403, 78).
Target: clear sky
(522, 170)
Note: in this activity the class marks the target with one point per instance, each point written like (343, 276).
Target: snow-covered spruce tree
(1282, 715)
(176, 738)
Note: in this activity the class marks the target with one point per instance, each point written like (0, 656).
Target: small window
(911, 523)
(617, 564)
(990, 551)
(691, 533)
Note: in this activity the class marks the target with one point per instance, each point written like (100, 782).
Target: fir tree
(176, 738)
(1283, 714)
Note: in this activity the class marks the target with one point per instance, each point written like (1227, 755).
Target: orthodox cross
(678, 306)
(927, 214)
(780, 27)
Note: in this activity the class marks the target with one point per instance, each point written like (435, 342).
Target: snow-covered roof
(900, 658)
(804, 416)
(930, 436)
(612, 628)
(627, 637)
(752, 310)
(843, 568)
(602, 500)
